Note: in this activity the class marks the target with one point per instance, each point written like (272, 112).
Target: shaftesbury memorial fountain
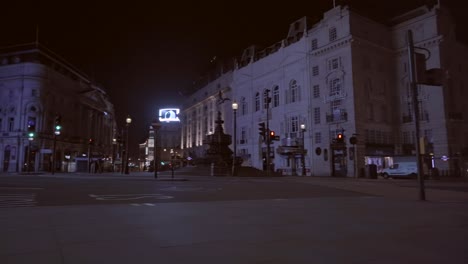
(218, 152)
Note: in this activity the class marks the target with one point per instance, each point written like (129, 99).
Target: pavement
(388, 223)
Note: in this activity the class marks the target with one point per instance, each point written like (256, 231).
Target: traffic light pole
(29, 155)
(53, 154)
(414, 90)
(268, 140)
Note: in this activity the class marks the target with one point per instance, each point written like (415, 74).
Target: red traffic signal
(340, 138)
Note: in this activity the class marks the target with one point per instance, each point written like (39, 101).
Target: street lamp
(128, 120)
(303, 129)
(114, 143)
(156, 126)
(235, 106)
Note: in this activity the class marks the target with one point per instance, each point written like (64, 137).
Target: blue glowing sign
(169, 115)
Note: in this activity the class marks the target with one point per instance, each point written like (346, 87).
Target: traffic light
(58, 125)
(90, 141)
(272, 135)
(262, 130)
(339, 138)
(31, 129)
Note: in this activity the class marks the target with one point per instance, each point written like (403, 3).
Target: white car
(401, 169)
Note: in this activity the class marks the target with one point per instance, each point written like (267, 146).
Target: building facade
(343, 76)
(38, 89)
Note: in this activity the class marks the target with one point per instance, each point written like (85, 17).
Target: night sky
(143, 53)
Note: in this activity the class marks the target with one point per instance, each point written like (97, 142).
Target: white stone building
(345, 74)
(36, 86)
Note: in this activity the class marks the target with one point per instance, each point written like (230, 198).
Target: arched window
(243, 106)
(294, 92)
(275, 96)
(266, 99)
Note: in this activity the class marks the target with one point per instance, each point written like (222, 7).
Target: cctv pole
(414, 89)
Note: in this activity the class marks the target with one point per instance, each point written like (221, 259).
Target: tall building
(341, 98)
(38, 91)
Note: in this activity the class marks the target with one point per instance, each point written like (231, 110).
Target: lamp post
(56, 133)
(235, 106)
(128, 120)
(30, 139)
(114, 143)
(303, 129)
(57, 129)
(416, 114)
(156, 126)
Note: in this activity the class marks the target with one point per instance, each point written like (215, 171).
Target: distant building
(163, 141)
(343, 75)
(36, 87)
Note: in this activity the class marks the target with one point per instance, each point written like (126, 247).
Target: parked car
(401, 170)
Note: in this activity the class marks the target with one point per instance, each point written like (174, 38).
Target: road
(46, 190)
(105, 218)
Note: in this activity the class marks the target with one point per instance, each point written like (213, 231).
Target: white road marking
(125, 197)
(10, 200)
(22, 188)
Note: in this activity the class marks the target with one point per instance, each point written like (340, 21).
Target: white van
(401, 169)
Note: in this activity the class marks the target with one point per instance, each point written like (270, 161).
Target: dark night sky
(142, 53)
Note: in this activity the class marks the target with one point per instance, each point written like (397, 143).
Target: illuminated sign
(169, 115)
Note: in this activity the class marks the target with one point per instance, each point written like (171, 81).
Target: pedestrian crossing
(12, 200)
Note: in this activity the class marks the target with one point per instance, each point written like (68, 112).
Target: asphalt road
(92, 218)
(60, 191)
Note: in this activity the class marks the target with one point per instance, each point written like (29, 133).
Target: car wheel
(413, 176)
(385, 175)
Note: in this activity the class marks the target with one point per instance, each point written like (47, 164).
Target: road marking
(181, 189)
(140, 204)
(22, 188)
(125, 197)
(11, 200)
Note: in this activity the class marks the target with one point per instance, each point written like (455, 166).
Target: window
(294, 91)
(318, 137)
(334, 64)
(243, 135)
(266, 99)
(332, 33)
(243, 106)
(316, 91)
(406, 137)
(257, 101)
(370, 112)
(315, 71)
(314, 44)
(11, 124)
(34, 92)
(384, 113)
(275, 96)
(317, 115)
(335, 86)
(294, 124)
(335, 108)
